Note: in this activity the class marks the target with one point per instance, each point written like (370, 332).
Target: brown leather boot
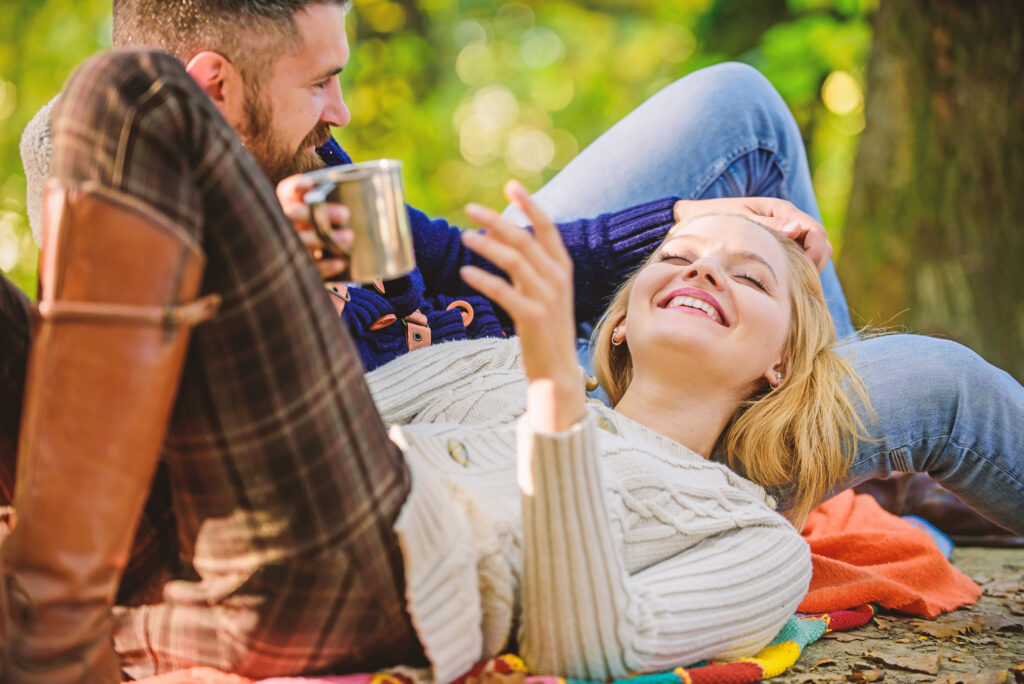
(118, 302)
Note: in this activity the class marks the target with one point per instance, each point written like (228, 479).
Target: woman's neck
(695, 418)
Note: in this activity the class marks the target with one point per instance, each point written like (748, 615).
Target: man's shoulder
(36, 158)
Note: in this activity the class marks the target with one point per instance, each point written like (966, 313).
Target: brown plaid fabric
(278, 472)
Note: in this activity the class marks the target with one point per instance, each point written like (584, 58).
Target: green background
(469, 93)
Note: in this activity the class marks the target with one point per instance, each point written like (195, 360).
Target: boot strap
(169, 316)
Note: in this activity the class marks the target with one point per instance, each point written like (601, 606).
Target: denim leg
(722, 131)
(939, 408)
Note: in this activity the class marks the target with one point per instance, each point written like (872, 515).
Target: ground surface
(975, 645)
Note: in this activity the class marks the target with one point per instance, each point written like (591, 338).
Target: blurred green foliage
(471, 92)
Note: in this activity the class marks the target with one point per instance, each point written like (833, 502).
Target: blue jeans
(725, 132)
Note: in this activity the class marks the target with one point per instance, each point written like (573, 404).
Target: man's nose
(336, 111)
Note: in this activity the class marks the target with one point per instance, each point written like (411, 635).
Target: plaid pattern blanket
(771, 661)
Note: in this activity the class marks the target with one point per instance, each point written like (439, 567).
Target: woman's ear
(619, 332)
(775, 375)
(222, 81)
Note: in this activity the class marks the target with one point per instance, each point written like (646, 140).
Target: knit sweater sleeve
(467, 382)
(604, 251)
(584, 617)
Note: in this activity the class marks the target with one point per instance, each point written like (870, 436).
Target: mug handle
(316, 198)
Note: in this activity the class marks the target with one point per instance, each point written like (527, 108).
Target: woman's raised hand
(540, 301)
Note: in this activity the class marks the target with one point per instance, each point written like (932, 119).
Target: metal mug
(372, 191)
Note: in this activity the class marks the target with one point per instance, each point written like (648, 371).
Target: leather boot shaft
(117, 304)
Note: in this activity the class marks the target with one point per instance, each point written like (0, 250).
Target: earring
(778, 380)
(618, 336)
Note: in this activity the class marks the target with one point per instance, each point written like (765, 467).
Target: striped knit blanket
(771, 661)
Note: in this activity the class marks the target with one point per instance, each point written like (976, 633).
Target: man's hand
(289, 193)
(770, 212)
(540, 301)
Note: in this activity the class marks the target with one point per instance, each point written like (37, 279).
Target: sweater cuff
(634, 233)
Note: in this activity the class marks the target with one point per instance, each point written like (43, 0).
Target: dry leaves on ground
(955, 624)
(925, 664)
(987, 677)
(1001, 588)
(843, 636)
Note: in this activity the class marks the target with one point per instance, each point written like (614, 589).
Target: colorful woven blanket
(771, 661)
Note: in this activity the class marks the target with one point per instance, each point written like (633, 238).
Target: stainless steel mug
(372, 191)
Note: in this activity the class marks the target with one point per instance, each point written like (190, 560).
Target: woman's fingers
(496, 289)
(509, 258)
(519, 244)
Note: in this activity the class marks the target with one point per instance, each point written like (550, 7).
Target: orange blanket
(863, 554)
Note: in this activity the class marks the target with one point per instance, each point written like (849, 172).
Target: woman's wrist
(555, 404)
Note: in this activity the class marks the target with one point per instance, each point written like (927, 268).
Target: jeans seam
(906, 448)
(722, 165)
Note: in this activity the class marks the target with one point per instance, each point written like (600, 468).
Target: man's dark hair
(250, 33)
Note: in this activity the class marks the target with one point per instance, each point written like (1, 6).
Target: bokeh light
(841, 93)
(529, 150)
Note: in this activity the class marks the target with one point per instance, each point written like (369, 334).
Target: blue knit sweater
(604, 251)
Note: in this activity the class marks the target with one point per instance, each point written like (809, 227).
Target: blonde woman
(623, 548)
(798, 428)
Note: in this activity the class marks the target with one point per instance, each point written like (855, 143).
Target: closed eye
(324, 83)
(678, 258)
(754, 280)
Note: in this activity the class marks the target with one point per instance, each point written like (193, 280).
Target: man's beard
(277, 161)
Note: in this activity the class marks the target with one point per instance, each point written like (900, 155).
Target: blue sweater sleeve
(604, 250)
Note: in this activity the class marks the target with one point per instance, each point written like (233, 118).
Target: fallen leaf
(954, 659)
(843, 636)
(926, 664)
(982, 580)
(948, 625)
(986, 677)
(884, 623)
(1018, 672)
(823, 661)
(903, 641)
(865, 676)
(999, 623)
(1016, 607)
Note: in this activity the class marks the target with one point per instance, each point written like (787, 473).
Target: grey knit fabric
(36, 155)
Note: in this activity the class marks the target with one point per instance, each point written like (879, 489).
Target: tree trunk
(935, 231)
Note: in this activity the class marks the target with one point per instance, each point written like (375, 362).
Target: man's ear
(222, 81)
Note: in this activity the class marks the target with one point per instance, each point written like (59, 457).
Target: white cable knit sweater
(631, 554)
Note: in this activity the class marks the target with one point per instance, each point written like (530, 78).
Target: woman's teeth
(695, 304)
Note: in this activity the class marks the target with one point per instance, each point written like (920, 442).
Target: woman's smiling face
(714, 300)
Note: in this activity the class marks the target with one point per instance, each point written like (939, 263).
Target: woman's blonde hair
(805, 431)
